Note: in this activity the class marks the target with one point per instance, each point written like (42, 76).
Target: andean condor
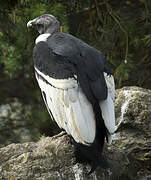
(77, 87)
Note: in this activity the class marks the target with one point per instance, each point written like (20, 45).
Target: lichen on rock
(52, 158)
(135, 126)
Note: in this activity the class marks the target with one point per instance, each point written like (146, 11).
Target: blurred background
(120, 29)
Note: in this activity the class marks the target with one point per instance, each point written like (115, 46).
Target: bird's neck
(53, 29)
(42, 37)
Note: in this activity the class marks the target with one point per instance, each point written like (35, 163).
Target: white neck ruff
(42, 37)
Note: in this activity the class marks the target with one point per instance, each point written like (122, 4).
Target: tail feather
(93, 154)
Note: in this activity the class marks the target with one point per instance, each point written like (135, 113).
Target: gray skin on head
(46, 23)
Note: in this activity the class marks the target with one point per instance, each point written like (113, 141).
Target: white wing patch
(107, 106)
(59, 83)
(70, 108)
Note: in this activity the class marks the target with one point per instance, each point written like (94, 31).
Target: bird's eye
(43, 16)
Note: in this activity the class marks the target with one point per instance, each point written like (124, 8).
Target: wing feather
(71, 109)
(107, 106)
(84, 120)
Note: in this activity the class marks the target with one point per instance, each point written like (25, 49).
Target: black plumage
(71, 56)
(61, 56)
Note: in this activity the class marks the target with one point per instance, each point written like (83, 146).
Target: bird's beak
(31, 22)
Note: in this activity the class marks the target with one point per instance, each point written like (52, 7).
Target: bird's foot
(59, 135)
(94, 165)
(103, 163)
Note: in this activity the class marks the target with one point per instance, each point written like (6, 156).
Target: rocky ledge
(52, 158)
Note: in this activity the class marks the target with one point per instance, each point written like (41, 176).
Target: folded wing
(107, 107)
(69, 107)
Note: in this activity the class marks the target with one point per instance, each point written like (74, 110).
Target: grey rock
(129, 156)
(133, 137)
(15, 123)
(52, 158)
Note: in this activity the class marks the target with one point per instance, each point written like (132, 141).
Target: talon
(59, 135)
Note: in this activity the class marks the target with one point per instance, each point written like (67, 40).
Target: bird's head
(45, 23)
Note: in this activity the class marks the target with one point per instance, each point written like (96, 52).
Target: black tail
(93, 154)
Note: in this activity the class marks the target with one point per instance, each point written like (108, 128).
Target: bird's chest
(53, 69)
(49, 63)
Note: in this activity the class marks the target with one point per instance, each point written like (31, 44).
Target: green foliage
(11, 59)
(119, 29)
(17, 45)
(147, 40)
(16, 64)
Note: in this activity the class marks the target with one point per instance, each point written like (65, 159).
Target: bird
(77, 87)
